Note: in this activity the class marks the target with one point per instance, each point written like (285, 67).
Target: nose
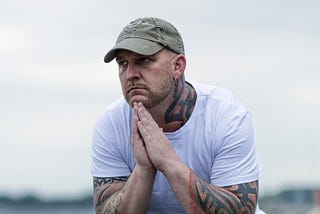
(132, 71)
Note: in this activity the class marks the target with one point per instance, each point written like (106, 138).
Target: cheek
(162, 86)
(122, 79)
(123, 84)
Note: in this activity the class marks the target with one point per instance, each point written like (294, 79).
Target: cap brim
(137, 45)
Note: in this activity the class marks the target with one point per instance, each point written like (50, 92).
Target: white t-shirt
(217, 143)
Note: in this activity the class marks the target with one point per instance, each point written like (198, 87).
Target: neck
(181, 108)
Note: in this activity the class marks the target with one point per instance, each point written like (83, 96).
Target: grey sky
(54, 84)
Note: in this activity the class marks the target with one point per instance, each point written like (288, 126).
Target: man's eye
(143, 60)
(122, 62)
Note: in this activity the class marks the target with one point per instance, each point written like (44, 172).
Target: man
(170, 146)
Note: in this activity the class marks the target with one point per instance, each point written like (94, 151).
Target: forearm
(198, 196)
(134, 196)
(240, 198)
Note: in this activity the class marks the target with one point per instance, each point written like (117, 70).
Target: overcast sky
(54, 84)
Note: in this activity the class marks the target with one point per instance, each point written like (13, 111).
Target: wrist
(145, 171)
(173, 167)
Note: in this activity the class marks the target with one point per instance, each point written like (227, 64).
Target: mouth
(136, 93)
(135, 89)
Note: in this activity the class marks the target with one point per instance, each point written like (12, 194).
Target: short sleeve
(235, 160)
(107, 150)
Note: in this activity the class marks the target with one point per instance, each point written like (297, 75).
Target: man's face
(146, 79)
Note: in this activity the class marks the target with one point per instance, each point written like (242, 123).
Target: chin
(132, 100)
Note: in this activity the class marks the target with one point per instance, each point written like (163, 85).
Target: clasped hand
(151, 147)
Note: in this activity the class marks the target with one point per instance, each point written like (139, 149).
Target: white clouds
(310, 96)
(11, 40)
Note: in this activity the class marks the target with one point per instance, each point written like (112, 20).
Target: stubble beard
(152, 97)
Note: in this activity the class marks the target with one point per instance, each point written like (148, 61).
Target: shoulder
(218, 98)
(116, 109)
(118, 113)
(117, 106)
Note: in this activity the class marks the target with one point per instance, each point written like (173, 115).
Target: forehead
(120, 54)
(127, 53)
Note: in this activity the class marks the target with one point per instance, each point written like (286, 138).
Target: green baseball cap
(147, 36)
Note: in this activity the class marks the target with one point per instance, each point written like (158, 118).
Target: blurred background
(54, 84)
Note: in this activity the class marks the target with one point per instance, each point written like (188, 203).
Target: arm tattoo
(103, 189)
(247, 193)
(241, 198)
(184, 101)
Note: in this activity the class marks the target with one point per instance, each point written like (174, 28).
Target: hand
(157, 145)
(138, 145)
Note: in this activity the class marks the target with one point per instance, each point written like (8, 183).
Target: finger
(142, 111)
(146, 118)
(135, 108)
(143, 131)
(135, 132)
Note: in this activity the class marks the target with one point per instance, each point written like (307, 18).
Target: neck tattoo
(183, 104)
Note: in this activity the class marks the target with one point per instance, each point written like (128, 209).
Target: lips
(135, 89)
(134, 85)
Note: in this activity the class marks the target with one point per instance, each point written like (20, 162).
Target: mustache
(132, 85)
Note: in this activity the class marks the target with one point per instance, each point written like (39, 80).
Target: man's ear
(179, 66)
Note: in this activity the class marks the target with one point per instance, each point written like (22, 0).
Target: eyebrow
(136, 55)
(120, 57)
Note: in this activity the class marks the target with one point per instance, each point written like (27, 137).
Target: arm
(104, 188)
(199, 196)
(123, 194)
(194, 194)
(127, 194)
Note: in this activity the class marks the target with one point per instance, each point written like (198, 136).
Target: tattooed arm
(240, 198)
(194, 194)
(203, 197)
(124, 194)
(104, 188)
